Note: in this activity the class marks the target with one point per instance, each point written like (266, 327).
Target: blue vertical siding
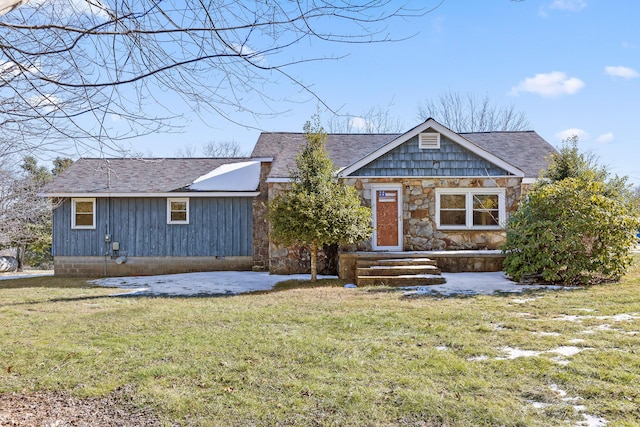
(451, 159)
(217, 227)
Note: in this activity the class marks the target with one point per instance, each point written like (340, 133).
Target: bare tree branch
(465, 113)
(377, 119)
(87, 74)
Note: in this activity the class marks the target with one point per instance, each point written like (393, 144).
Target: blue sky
(572, 66)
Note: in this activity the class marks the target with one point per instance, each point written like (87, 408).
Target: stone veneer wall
(420, 232)
(260, 223)
(419, 209)
(98, 266)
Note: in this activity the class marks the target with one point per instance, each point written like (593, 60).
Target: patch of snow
(576, 341)
(486, 283)
(442, 348)
(238, 176)
(569, 351)
(558, 390)
(25, 274)
(570, 318)
(514, 353)
(588, 310)
(538, 405)
(200, 284)
(622, 317)
(592, 421)
(522, 300)
(547, 334)
(560, 361)
(478, 358)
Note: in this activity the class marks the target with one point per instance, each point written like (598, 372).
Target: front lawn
(333, 356)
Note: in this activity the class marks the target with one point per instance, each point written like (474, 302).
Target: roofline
(529, 180)
(157, 195)
(258, 159)
(455, 137)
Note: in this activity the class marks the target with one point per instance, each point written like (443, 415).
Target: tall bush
(317, 209)
(576, 226)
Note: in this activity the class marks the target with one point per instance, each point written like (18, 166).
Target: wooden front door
(387, 220)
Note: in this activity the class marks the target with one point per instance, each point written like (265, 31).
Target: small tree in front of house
(317, 209)
(576, 226)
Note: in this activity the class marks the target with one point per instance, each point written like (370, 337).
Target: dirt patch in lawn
(61, 409)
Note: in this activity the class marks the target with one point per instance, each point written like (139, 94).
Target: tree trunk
(20, 250)
(314, 261)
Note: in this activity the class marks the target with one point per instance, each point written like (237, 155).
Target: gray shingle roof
(525, 150)
(343, 148)
(133, 175)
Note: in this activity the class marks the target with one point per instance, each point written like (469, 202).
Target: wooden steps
(398, 272)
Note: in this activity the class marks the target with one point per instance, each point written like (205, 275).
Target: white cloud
(606, 138)
(246, 51)
(68, 8)
(620, 71)
(47, 103)
(550, 84)
(358, 123)
(629, 45)
(568, 133)
(570, 5)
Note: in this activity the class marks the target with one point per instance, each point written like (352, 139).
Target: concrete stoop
(398, 272)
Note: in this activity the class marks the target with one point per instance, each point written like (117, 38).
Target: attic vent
(429, 140)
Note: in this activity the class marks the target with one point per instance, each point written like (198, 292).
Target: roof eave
(154, 195)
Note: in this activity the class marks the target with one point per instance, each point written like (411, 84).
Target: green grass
(326, 355)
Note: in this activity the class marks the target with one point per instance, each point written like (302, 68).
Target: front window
(83, 213)
(178, 211)
(470, 208)
(486, 210)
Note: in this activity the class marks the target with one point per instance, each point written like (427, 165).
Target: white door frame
(374, 197)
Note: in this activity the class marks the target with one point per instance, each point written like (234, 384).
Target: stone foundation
(447, 261)
(297, 260)
(146, 266)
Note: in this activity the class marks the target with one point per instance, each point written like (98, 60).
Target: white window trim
(470, 192)
(177, 199)
(73, 214)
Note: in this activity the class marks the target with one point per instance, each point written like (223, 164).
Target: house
(430, 189)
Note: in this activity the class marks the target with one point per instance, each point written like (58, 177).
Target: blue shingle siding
(221, 226)
(450, 159)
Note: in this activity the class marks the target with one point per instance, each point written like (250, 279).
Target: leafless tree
(96, 73)
(465, 113)
(377, 119)
(223, 149)
(187, 150)
(25, 218)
